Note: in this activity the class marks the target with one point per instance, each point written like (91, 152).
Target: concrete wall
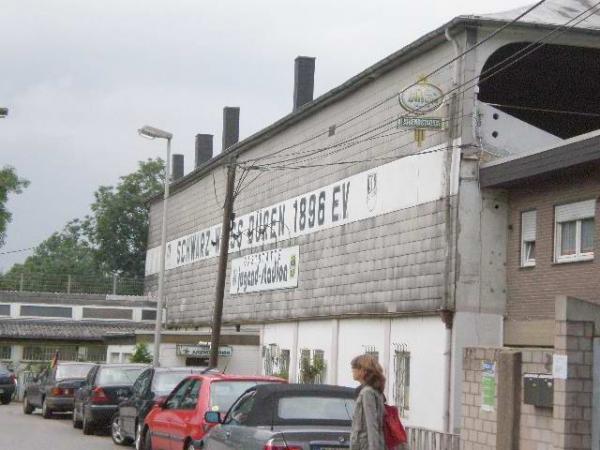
(342, 340)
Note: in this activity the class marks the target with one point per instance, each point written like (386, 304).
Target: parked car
(8, 384)
(97, 401)
(294, 417)
(53, 390)
(152, 384)
(177, 420)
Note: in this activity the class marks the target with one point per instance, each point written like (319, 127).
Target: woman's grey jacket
(367, 422)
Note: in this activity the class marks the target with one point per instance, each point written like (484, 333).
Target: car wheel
(147, 440)
(76, 420)
(46, 412)
(86, 426)
(116, 433)
(139, 444)
(27, 407)
(5, 399)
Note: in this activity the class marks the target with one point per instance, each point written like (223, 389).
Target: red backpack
(393, 430)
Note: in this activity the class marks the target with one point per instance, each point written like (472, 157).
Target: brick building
(355, 232)
(553, 231)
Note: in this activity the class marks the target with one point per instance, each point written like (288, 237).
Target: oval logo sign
(422, 98)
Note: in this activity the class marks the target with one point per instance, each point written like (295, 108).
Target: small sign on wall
(559, 367)
(264, 271)
(488, 386)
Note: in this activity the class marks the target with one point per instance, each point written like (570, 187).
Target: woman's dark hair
(373, 371)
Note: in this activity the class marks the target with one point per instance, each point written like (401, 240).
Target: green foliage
(10, 183)
(118, 226)
(310, 371)
(141, 354)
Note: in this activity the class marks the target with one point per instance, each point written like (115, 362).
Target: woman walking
(367, 422)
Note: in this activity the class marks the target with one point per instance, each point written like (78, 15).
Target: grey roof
(63, 330)
(553, 12)
(547, 16)
(573, 152)
(76, 299)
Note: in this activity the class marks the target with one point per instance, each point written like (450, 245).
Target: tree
(10, 183)
(118, 225)
(141, 354)
(63, 254)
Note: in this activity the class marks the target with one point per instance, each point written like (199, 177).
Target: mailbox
(538, 390)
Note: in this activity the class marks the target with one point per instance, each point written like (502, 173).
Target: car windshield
(315, 408)
(115, 376)
(164, 382)
(72, 371)
(224, 393)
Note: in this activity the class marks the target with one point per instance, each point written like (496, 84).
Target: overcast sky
(80, 77)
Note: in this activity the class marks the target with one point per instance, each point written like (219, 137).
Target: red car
(179, 418)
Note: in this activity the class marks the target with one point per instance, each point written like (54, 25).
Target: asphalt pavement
(18, 432)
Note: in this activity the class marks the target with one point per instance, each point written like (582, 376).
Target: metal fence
(424, 439)
(75, 284)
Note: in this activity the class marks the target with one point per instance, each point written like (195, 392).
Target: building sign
(400, 184)
(201, 350)
(428, 123)
(560, 363)
(265, 271)
(421, 98)
(488, 385)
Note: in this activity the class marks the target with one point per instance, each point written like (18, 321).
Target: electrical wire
(396, 94)
(18, 251)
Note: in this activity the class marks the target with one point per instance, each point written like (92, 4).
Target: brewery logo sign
(421, 98)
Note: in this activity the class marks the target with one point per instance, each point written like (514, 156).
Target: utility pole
(222, 270)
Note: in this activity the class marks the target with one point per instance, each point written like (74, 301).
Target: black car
(97, 401)
(53, 390)
(8, 384)
(152, 383)
(298, 416)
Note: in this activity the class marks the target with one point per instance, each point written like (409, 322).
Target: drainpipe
(451, 217)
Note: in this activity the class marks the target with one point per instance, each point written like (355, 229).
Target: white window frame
(588, 209)
(528, 235)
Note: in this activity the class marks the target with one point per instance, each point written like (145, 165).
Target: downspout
(447, 312)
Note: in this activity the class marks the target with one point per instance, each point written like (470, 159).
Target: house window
(5, 352)
(575, 231)
(402, 378)
(528, 226)
(276, 361)
(312, 366)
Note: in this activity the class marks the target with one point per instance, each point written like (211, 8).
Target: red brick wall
(532, 290)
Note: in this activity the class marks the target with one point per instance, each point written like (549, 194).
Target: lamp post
(155, 133)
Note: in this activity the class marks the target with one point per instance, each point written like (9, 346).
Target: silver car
(291, 416)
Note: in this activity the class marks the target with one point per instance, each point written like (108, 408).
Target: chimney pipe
(304, 80)
(177, 167)
(204, 148)
(231, 126)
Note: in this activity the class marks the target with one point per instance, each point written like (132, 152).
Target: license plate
(328, 447)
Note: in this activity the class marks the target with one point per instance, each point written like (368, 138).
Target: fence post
(21, 282)
(68, 284)
(115, 278)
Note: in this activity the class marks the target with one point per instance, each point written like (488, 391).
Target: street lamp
(155, 133)
(3, 113)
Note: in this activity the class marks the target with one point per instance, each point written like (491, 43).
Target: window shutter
(574, 211)
(528, 224)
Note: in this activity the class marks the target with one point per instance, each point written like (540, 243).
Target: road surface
(18, 432)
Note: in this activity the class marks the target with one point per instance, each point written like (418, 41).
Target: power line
(537, 44)
(17, 251)
(433, 72)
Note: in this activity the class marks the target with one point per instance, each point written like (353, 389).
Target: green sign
(426, 123)
(201, 351)
(488, 385)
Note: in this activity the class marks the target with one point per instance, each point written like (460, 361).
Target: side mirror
(161, 401)
(212, 417)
